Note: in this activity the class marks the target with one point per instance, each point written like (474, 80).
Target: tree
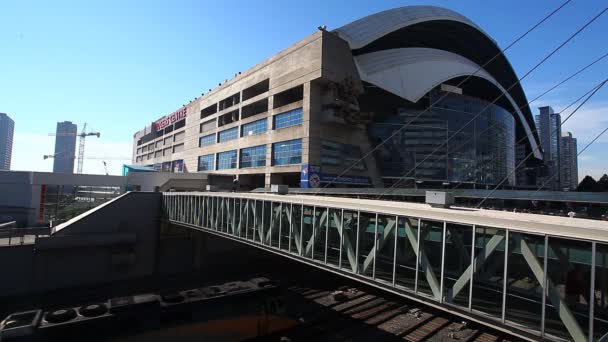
(588, 184)
(603, 183)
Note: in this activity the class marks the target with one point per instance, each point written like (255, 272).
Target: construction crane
(83, 134)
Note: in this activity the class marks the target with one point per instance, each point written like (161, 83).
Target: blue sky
(119, 65)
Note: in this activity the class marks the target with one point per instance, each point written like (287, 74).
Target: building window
(179, 124)
(228, 134)
(287, 152)
(289, 118)
(205, 163)
(179, 136)
(336, 154)
(226, 160)
(253, 156)
(207, 140)
(178, 148)
(208, 125)
(253, 128)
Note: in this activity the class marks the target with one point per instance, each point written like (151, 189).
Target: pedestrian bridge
(533, 275)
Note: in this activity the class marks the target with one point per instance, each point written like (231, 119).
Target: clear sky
(119, 65)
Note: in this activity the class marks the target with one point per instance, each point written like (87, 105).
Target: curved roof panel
(412, 72)
(365, 30)
(442, 29)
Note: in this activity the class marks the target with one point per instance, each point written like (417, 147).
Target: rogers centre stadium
(303, 115)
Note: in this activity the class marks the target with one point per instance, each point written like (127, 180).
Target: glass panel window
(253, 156)
(456, 278)
(524, 288)
(600, 293)
(367, 236)
(275, 224)
(253, 128)
(349, 242)
(429, 261)
(488, 273)
(385, 249)
(289, 118)
(295, 242)
(226, 160)
(284, 226)
(320, 234)
(205, 163)
(227, 135)
(333, 237)
(407, 242)
(287, 152)
(207, 140)
(569, 285)
(306, 237)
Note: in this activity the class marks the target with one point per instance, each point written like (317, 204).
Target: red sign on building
(170, 119)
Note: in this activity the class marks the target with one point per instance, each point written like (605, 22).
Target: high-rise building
(568, 162)
(7, 127)
(548, 124)
(65, 147)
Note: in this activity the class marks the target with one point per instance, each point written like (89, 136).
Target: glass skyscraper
(568, 161)
(65, 147)
(7, 127)
(548, 124)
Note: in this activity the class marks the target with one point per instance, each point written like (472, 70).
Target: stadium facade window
(336, 154)
(205, 163)
(287, 152)
(179, 124)
(255, 127)
(253, 156)
(289, 118)
(206, 140)
(229, 134)
(179, 136)
(178, 148)
(208, 125)
(226, 160)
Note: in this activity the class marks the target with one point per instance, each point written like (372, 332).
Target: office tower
(549, 124)
(65, 147)
(568, 162)
(7, 127)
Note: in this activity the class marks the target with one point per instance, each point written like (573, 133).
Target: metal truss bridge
(533, 276)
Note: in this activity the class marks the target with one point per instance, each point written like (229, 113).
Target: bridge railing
(544, 285)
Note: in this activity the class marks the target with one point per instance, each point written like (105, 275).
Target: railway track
(356, 313)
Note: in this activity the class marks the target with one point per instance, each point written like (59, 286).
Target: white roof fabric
(365, 30)
(412, 72)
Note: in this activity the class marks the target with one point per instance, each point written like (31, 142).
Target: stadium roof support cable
(542, 61)
(595, 90)
(500, 53)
